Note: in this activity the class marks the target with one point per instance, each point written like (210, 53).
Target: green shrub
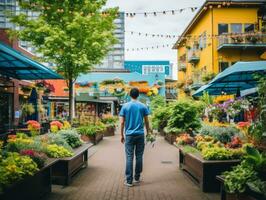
(110, 121)
(222, 134)
(235, 181)
(14, 168)
(55, 151)
(160, 117)
(184, 117)
(221, 153)
(89, 130)
(71, 137)
(58, 140)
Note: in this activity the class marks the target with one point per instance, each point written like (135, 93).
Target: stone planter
(171, 138)
(204, 172)
(66, 168)
(32, 187)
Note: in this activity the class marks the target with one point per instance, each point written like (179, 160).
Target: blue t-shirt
(134, 112)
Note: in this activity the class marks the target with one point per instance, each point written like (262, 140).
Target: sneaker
(138, 180)
(128, 184)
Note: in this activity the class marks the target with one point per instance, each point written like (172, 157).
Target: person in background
(132, 115)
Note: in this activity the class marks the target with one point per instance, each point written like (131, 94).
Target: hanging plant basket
(25, 89)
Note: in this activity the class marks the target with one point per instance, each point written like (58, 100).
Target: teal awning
(16, 65)
(234, 79)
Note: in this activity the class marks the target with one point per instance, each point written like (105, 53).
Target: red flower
(34, 124)
(56, 123)
(27, 152)
(12, 136)
(243, 124)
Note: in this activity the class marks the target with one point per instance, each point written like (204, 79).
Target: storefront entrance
(6, 110)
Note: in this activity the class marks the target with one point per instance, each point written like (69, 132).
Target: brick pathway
(103, 179)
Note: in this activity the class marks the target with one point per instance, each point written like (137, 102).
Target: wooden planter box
(66, 168)
(171, 138)
(32, 187)
(204, 172)
(248, 195)
(110, 131)
(95, 139)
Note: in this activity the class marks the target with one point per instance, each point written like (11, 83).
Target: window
(203, 40)
(236, 28)
(249, 28)
(222, 28)
(223, 65)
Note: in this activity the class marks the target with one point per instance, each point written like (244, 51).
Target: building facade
(150, 67)
(220, 34)
(116, 57)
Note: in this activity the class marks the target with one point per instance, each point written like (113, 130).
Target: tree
(73, 34)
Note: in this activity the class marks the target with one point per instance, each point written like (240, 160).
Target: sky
(161, 24)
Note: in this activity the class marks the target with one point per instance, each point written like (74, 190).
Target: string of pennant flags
(189, 37)
(150, 47)
(237, 37)
(156, 13)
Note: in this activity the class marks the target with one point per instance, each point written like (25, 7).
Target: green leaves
(255, 159)
(74, 36)
(184, 117)
(236, 180)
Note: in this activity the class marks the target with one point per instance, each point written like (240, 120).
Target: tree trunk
(71, 100)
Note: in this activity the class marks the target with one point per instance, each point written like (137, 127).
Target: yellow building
(220, 34)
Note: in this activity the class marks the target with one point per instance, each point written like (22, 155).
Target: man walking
(132, 115)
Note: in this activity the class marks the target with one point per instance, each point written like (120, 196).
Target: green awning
(238, 77)
(16, 65)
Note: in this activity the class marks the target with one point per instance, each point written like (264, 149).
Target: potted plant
(110, 123)
(25, 89)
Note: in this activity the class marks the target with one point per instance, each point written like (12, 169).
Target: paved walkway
(103, 179)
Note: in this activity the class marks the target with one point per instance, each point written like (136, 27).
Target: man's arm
(147, 124)
(122, 128)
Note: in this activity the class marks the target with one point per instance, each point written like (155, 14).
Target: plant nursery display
(249, 175)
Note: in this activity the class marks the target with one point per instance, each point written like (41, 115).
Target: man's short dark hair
(134, 93)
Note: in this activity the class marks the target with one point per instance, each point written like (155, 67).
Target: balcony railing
(193, 56)
(182, 65)
(252, 40)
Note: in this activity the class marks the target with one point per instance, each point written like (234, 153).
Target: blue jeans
(134, 143)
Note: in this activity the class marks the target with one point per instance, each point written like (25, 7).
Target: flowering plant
(34, 127)
(38, 157)
(66, 125)
(234, 107)
(55, 126)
